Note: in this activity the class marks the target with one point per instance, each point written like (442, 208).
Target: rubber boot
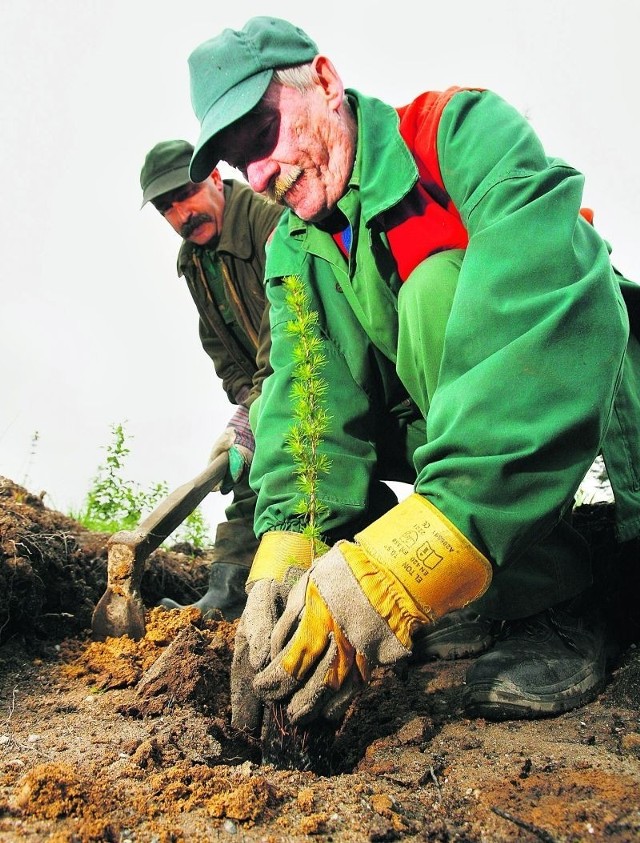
(233, 553)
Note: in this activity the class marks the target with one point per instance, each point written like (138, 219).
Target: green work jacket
(235, 336)
(535, 348)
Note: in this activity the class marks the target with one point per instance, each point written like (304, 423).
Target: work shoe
(457, 635)
(539, 666)
(226, 595)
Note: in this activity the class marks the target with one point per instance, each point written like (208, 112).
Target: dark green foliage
(114, 503)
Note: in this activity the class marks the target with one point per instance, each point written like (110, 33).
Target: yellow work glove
(360, 603)
(282, 557)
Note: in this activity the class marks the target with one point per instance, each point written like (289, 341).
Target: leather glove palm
(280, 561)
(237, 440)
(360, 604)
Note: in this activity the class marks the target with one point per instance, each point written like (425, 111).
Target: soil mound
(125, 740)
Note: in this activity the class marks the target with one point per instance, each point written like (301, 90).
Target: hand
(237, 439)
(265, 601)
(360, 604)
(280, 561)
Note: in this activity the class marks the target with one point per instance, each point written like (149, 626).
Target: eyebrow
(179, 194)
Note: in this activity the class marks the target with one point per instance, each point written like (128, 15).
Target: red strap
(426, 221)
(587, 213)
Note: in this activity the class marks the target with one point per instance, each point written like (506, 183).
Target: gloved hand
(237, 439)
(359, 605)
(280, 560)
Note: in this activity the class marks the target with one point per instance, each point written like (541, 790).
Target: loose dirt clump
(124, 740)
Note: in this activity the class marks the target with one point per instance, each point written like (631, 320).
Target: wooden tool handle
(169, 514)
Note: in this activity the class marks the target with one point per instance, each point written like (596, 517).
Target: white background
(95, 327)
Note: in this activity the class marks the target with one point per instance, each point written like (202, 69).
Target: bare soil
(131, 741)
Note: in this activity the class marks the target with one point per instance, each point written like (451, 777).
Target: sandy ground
(130, 741)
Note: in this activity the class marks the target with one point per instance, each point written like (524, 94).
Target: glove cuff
(437, 565)
(280, 550)
(384, 591)
(241, 427)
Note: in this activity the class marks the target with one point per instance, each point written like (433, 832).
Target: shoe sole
(509, 703)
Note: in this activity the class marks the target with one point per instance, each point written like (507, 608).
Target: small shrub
(114, 503)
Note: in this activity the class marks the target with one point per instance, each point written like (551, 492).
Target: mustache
(192, 223)
(277, 190)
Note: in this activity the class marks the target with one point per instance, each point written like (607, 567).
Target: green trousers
(558, 567)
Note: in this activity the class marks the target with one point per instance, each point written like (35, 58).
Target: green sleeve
(235, 380)
(535, 341)
(266, 221)
(235, 377)
(263, 364)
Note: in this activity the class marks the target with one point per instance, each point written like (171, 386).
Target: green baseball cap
(165, 168)
(231, 72)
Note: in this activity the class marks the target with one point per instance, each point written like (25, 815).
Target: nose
(261, 173)
(181, 211)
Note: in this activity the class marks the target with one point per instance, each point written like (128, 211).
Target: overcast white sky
(95, 327)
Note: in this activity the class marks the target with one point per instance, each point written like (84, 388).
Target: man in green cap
(224, 226)
(475, 341)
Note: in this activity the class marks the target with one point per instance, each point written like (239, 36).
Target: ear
(216, 178)
(329, 80)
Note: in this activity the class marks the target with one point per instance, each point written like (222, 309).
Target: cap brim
(231, 106)
(166, 182)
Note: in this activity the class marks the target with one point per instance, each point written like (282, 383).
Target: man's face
(293, 148)
(195, 211)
